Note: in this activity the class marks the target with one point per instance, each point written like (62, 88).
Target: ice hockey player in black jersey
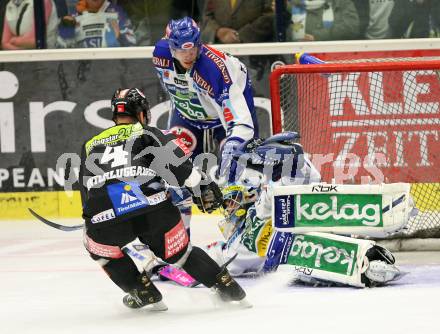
(122, 179)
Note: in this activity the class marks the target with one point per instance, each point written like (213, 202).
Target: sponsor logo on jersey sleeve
(228, 115)
(161, 62)
(218, 61)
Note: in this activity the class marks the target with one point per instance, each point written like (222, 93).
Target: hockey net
(354, 115)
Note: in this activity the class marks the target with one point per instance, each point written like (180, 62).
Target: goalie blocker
(324, 258)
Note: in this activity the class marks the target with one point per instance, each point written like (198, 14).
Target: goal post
(368, 121)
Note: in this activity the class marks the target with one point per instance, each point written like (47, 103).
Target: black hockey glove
(210, 199)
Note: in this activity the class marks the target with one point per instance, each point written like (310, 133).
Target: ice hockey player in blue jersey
(212, 107)
(210, 91)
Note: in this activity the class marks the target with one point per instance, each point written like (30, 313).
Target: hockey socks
(200, 266)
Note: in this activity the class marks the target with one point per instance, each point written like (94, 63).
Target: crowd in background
(114, 23)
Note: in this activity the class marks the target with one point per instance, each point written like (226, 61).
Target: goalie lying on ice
(315, 257)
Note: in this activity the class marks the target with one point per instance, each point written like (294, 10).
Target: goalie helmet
(183, 34)
(130, 102)
(236, 201)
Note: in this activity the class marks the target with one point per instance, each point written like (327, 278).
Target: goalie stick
(55, 225)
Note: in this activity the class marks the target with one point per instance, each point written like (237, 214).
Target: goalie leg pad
(330, 258)
(278, 251)
(369, 210)
(333, 259)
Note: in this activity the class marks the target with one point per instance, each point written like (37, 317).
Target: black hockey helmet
(130, 102)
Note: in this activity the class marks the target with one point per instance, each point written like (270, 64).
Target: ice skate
(229, 291)
(147, 295)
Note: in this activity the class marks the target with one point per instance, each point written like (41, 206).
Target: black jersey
(123, 170)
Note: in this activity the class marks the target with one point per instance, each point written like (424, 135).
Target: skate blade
(244, 303)
(158, 307)
(400, 275)
(220, 303)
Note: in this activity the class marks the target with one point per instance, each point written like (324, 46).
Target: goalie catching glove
(206, 194)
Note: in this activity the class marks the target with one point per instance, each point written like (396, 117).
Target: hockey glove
(210, 199)
(228, 166)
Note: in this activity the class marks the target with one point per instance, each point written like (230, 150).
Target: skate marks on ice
(49, 285)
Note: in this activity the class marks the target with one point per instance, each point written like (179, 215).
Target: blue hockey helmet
(183, 34)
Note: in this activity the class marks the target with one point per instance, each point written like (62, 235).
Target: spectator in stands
(19, 28)
(238, 21)
(65, 7)
(191, 8)
(322, 20)
(148, 18)
(435, 20)
(96, 23)
(373, 16)
(412, 18)
(2, 17)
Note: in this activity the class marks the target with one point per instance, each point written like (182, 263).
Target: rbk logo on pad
(126, 197)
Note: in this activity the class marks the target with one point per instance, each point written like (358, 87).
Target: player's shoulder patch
(218, 53)
(161, 54)
(214, 61)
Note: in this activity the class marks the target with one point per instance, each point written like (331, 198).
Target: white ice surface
(48, 284)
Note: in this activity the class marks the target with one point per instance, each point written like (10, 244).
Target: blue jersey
(216, 91)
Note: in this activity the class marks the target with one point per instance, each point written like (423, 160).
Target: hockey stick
(181, 277)
(55, 225)
(177, 275)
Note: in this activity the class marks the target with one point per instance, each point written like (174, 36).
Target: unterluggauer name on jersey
(120, 173)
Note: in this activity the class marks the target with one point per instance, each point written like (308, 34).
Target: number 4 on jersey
(117, 154)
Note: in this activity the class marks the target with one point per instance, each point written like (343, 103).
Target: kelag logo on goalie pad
(324, 254)
(327, 210)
